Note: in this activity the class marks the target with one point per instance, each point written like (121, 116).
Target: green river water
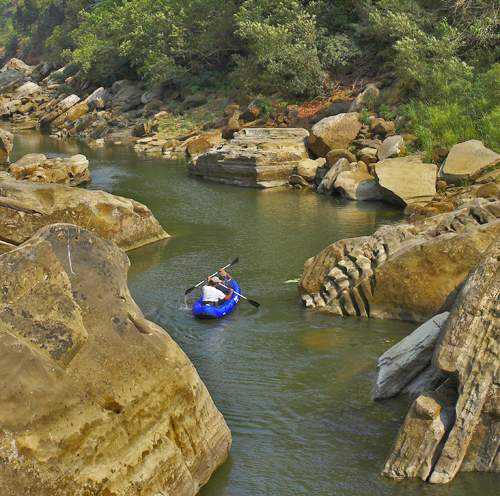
(293, 384)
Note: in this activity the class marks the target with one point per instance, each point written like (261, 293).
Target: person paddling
(226, 282)
(213, 296)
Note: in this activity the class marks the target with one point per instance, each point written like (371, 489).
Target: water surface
(292, 384)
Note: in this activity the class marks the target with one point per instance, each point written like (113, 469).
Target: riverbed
(293, 384)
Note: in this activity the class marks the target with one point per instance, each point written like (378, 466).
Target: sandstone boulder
(71, 115)
(9, 79)
(445, 433)
(6, 143)
(126, 222)
(17, 65)
(59, 108)
(466, 161)
(95, 398)
(333, 133)
(307, 168)
(203, 143)
(27, 90)
(334, 155)
(357, 185)
(407, 272)
(97, 100)
(326, 187)
(255, 157)
(7, 109)
(391, 147)
(405, 180)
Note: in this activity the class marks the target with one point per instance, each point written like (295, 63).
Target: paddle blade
(189, 290)
(236, 260)
(254, 303)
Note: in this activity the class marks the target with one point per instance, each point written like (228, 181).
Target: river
(293, 384)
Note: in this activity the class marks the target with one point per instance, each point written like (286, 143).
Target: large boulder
(466, 161)
(204, 143)
(59, 109)
(9, 108)
(357, 185)
(391, 147)
(405, 180)
(257, 157)
(6, 143)
(407, 271)
(128, 98)
(126, 222)
(98, 99)
(36, 167)
(16, 65)
(326, 186)
(456, 427)
(95, 398)
(334, 132)
(370, 93)
(9, 79)
(71, 115)
(27, 90)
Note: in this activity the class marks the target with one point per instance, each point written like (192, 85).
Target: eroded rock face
(126, 222)
(257, 157)
(95, 398)
(458, 430)
(407, 272)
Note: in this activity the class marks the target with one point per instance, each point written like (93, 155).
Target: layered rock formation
(36, 167)
(95, 399)
(456, 426)
(26, 207)
(407, 271)
(256, 157)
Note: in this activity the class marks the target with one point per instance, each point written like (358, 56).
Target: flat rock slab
(126, 222)
(466, 161)
(406, 180)
(257, 157)
(95, 398)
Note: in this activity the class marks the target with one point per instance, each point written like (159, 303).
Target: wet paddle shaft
(236, 260)
(252, 302)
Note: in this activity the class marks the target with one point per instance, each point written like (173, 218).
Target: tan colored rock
(326, 186)
(255, 157)
(383, 127)
(232, 127)
(405, 180)
(126, 222)
(6, 143)
(307, 169)
(71, 115)
(98, 99)
(26, 165)
(202, 144)
(391, 147)
(418, 268)
(466, 161)
(357, 185)
(334, 155)
(10, 108)
(359, 103)
(468, 352)
(59, 108)
(95, 398)
(334, 132)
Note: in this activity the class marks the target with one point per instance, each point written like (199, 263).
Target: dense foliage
(444, 53)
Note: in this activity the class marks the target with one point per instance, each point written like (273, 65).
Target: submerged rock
(95, 398)
(257, 157)
(126, 222)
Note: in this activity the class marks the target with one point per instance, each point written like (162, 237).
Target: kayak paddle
(236, 260)
(254, 303)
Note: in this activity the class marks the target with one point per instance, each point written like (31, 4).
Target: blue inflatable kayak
(209, 312)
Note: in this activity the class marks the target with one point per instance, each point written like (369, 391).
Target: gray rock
(402, 363)
(391, 147)
(8, 79)
(357, 185)
(360, 102)
(326, 186)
